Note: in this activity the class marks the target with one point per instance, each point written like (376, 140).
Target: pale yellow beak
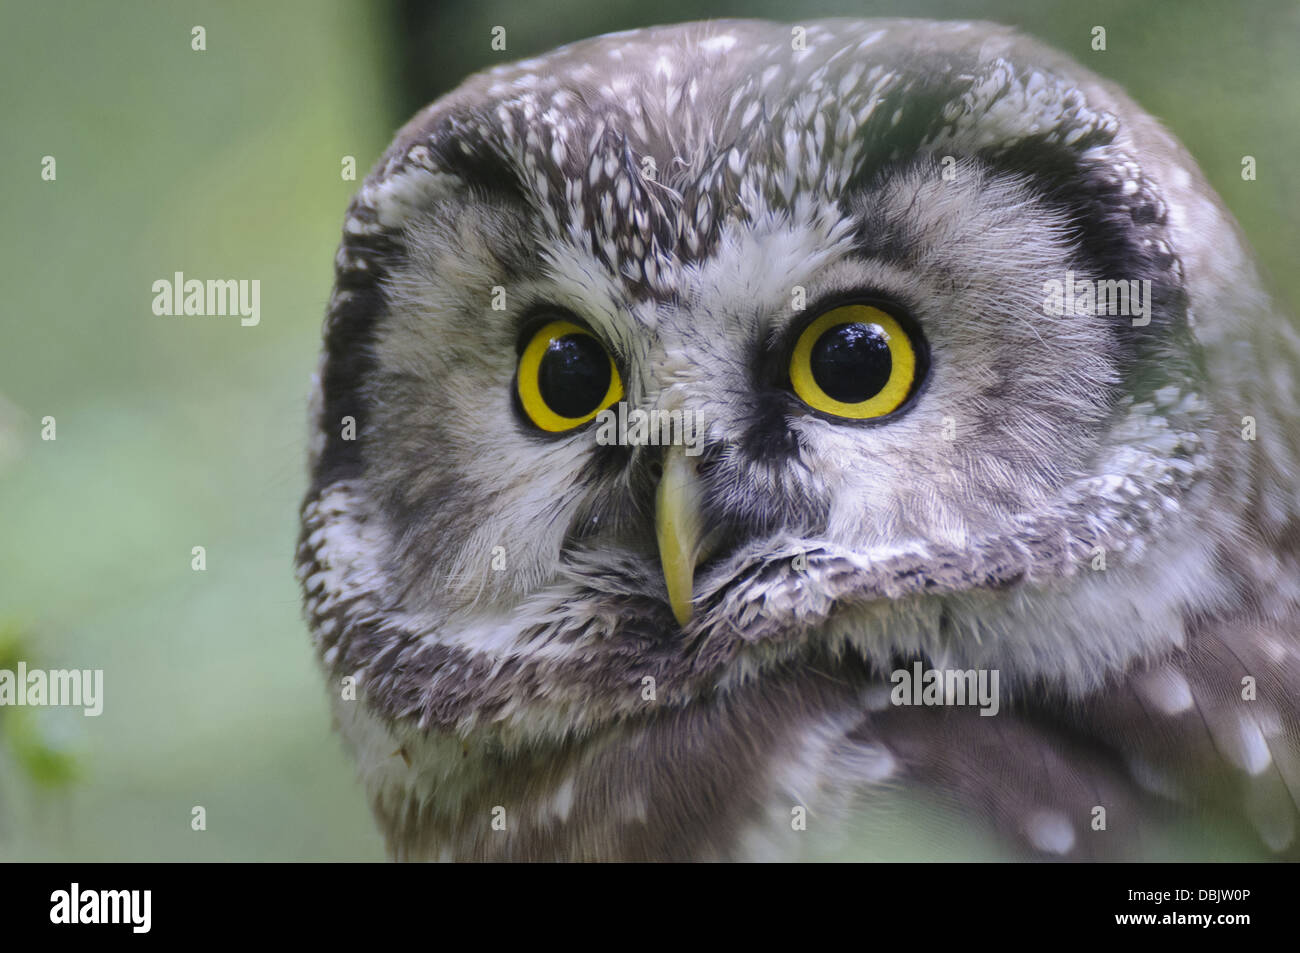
(677, 526)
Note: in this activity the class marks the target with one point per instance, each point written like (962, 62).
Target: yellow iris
(854, 361)
(566, 377)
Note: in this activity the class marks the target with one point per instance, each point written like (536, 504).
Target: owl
(737, 440)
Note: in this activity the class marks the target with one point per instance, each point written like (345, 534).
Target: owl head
(942, 348)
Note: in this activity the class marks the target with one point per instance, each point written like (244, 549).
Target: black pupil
(851, 362)
(574, 375)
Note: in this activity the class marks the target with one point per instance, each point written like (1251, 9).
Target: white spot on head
(1050, 831)
(1275, 648)
(718, 44)
(1167, 690)
(1252, 753)
(562, 800)
(874, 763)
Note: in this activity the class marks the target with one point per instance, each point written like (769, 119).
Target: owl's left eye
(565, 377)
(856, 361)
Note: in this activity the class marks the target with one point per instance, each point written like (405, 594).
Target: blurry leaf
(41, 759)
(41, 762)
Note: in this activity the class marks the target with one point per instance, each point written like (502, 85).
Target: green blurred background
(176, 432)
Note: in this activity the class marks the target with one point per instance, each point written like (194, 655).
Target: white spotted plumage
(671, 189)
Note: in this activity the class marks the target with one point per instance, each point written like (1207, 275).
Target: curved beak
(678, 504)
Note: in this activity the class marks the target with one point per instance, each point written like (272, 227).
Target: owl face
(833, 251)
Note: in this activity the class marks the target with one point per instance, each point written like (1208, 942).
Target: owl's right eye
(565, 377)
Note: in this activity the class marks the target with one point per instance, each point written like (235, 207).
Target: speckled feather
(775, 167)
